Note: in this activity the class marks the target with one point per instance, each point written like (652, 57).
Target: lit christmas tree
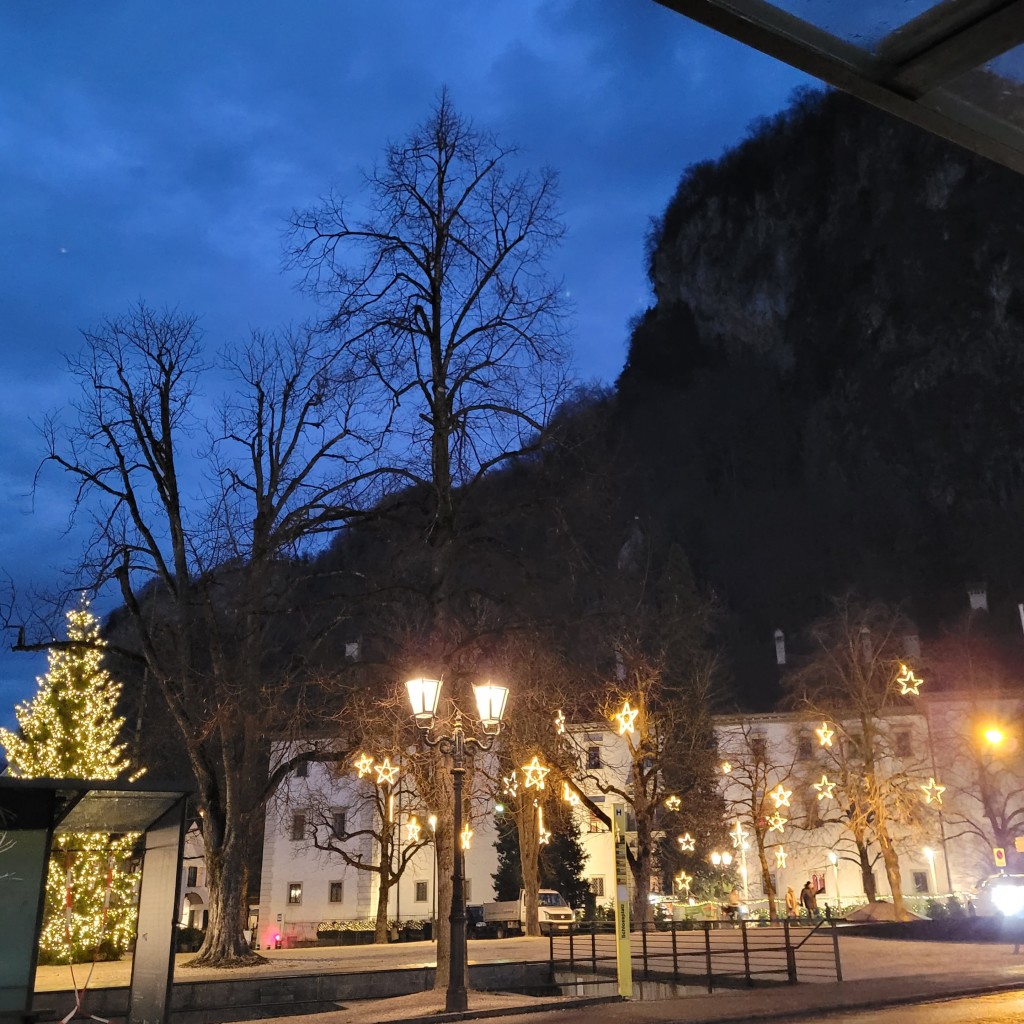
(70, 731)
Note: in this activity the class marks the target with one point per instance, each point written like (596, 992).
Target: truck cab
(508, 917)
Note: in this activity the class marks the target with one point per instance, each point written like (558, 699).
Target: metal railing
(705, 952)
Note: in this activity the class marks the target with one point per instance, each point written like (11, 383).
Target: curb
(509, 1011)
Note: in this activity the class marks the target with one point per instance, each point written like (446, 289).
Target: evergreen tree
(561, 861)
(70, 731)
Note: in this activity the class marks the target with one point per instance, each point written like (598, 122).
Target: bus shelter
(32, 812)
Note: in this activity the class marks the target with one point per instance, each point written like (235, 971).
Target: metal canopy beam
(953, 37)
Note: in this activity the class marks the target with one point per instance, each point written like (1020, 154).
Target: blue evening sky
(153, 151)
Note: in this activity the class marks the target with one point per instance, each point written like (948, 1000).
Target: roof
(953, 67)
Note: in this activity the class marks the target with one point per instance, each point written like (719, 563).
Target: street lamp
(424, 695)
(432, 822)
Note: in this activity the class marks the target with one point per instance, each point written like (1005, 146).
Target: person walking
(792, 907)
(809, 901)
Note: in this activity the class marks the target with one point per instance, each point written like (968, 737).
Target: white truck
(509, 917)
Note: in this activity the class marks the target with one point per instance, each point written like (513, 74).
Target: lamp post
(424, 695)
(834, 861)
(929, 854)
(432, 822)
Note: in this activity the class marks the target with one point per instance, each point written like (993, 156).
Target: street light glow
(994, 735)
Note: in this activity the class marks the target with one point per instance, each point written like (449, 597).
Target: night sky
(153, 151)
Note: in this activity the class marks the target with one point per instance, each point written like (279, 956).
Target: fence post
(746, 953)
(593, 946)
(675, 954)
(572, 952)
(790, 954)
(835, 950)
(643, 946)
(551, 953)
(707, 954)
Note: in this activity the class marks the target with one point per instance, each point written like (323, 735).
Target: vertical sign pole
(623, 953)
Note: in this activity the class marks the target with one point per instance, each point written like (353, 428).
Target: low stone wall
(214, 1002)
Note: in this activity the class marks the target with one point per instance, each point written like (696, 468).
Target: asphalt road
(1004, 1008)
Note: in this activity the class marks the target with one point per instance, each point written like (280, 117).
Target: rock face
(828, 391)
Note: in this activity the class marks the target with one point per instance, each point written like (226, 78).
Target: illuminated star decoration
(626, 718)
(363, 764)
(466, 836)
(825, 735)
(386, 772)
(510, 784)
(687, 843)
(673, 803)
(780, 856)
(414, 829)
(780, 796)
(569, 795)
(543, 835)
(739, 836)
(534, 773)
(683, 881)
(826, 790)
(726, 768)
(560, 722)
(777, 823)
(908, 682)
(933, 791)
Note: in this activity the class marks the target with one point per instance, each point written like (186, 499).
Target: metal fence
(706, 952)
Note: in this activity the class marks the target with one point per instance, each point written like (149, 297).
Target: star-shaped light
(414, 829)
(673, 803)
(825, 735)
(363, 764)
(777, 823)
(569, 795)
(739, 836)
(780, 796)
(559, 722)
(533, 774)
(933, 791)
(726, 768)
(908, 682)
(510, 784)
(626, 718)
(466, 836)
(780, 856)
(683, 881)
(543, 835)
(386, 772)
(826, 790)
(687, 843)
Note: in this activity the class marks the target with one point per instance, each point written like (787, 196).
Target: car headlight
(1008, 899)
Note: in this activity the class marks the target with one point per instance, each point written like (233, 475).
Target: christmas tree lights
(70, 730)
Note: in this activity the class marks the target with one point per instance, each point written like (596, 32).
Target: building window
(593, 757)
(421, 892)
(920, 881)
(192, 876)
(469, 889)
(597, 885)
(759, 747)
(294, 893)
(904, 748)
(302, 770)
(338, 825)
(298, 826)
(596, 824)
(804, 749)
(336, 892)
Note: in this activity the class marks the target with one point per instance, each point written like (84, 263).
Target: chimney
(780, 647)
(977, 594)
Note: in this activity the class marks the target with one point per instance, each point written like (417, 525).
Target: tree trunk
(642, 867)
(529, 862)
(766, 883)
(380, 924)
(892, 871)
(867, 875)
(445, 868)
(224, 944)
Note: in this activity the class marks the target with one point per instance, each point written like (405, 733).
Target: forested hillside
(827, 391)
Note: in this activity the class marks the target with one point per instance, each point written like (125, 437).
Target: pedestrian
(733, 910)
(792, 906)
(809, 901)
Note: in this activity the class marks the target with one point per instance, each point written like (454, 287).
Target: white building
(195, 893)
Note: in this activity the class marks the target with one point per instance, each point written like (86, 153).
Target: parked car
(1001, 896)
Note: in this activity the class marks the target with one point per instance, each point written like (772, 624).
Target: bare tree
(438, 293)
(856, 683)
(214, 570)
